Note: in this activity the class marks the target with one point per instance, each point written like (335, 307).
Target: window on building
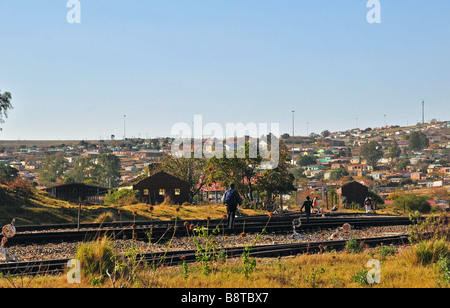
(162, 192)
(177, 192)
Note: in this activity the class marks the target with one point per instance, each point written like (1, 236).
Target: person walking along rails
(232, 200)
(368, 204)
(307, 205)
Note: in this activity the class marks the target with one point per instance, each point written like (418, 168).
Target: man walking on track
(232, 200)
(307, 205)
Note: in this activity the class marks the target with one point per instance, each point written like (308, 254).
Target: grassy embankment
(39, 208)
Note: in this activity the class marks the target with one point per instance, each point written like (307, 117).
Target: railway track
(172, 258)
(142, 229)
(120, 224)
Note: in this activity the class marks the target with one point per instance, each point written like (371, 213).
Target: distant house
(213, 192)
(353, 192)
(131, 168)
(445, 170)
(337, 166)
(439, 203)
(77, 192)
(434, 168)
(418, 175)
(313, 168)
(358, 169)
(440, 183)
(377, 175)
(334, 142)
(149, 153)
(156, 188)
(355, 160)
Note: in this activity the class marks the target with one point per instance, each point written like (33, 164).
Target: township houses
(418, 175)
(358, 169)
(434, 168)
(213, 192)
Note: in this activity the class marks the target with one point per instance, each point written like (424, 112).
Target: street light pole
(124, 127)
(293, 135)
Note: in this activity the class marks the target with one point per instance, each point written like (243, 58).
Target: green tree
(394, 151)
(298, 173)
(240, 170)
(108, 170)
(53, 169)
(403, 164)
(192, 170)
(413, 203)
(7, 173)
(418, 141)
(84, 169)
(306, 160)
(372, 152)
(274, 182)
(326, 133)
(5, 105)
(337, 174)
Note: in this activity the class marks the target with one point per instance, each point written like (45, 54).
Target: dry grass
(40, 208)
(334, 270)
(169, 212)
(328, 270)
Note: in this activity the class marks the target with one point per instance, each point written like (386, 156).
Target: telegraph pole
(124, 127)
(293, 134)
(423, 112)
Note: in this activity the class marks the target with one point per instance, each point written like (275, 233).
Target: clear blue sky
(161, 62)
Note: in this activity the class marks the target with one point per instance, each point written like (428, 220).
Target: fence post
(79, 213)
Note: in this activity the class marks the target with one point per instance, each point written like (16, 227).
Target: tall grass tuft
(105, 217)
(96, 257)
(427, 252)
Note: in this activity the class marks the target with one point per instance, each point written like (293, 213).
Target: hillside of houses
(318, 161)
(329, 159)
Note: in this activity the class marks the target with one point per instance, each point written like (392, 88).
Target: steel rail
(145, 232)
(173, 258)
(248, 219)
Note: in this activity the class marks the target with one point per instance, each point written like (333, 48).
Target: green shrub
(353, 245)
(386, 250)
(122, 197)
(444, 267)
(361, 277)
(412, 203)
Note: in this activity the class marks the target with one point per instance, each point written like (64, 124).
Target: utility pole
(124, 127)
(79, 213)
(293, 134)
(423, 112)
